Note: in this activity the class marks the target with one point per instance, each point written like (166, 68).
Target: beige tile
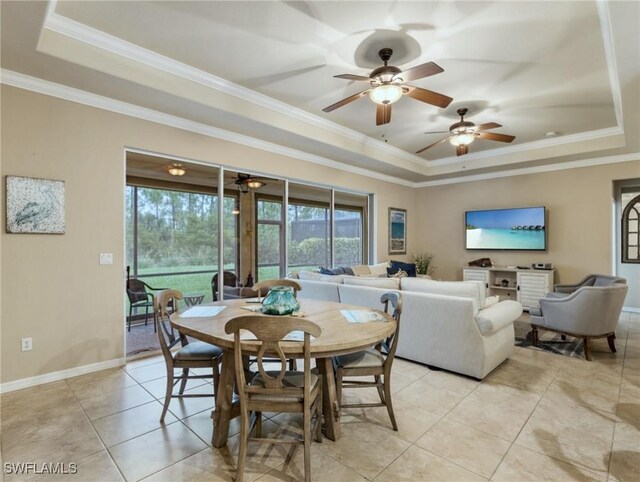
(151, 452)
(202, 425)
(215, 464)
(185, 407)
(146, 373)
(418, 464)
(68, 437)
(496, 409)
(453, 382)
(365, 448)
(123, 426)
(599, 395)
(570, 433)
(323, 469)
(429, 396)
(408, 368)
(109, 403)
(96, 468)
(158, 387)
(524, 372)
(629, 412)
(412, 419)
(522, 464)
(625, 456)
(470, 448)
(100, 383)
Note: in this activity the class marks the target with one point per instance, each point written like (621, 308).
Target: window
(268, 237)
(349, 239)
(309, 235)
(630, 228)
(172, 237)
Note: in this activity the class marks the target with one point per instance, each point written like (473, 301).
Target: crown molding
(26, 82)
(117, 46)
(610, 54)
(561, 166)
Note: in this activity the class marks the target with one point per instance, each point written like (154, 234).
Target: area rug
(142, 338)
(548, 341)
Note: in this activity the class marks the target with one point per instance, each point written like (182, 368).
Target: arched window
(631, 231)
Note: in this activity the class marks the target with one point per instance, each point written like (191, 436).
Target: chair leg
(587, 349)
(307, 443)
(242, 453)
(380, 388)
(338, 386)
(130, 315)
(216, 376)
(146, 314)
(258, 424)
(167, 395)
(319, 416)
(563, 337)
(183, 382)
(612, 342)
(534, 335)
(155, 316)
(388, 403)
(293, 364)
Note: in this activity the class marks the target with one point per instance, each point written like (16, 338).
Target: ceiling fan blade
(462, 150)
(419, 72)
(431, 145)
(353, 77)
(437, 132)
(487, 126)
(346, 101)
(383, 114)
(428, 96)
(492, 136)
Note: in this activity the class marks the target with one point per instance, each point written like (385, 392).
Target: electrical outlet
(106, 258)
(27, 344)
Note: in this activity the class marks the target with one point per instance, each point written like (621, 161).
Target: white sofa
(444, 324)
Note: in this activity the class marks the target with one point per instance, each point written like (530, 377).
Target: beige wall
(579, 204)
(53, 288)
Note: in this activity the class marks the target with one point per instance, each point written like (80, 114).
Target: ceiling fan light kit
(176, 169)
(254, 183)
(386, 94)
(463, 133)
(387, 85)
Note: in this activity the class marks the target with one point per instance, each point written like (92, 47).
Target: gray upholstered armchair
(587, 312)
(562, 291)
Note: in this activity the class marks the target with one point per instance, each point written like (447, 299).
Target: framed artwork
(35, 206)
(397, 231)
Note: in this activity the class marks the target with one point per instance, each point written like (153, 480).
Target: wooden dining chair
(374, 362)
(263, 287)
(276, 390)
(195, 354)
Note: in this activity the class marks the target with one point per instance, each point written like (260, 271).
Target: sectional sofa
(444, 324)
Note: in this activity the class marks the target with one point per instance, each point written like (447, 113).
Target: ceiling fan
(463, 133)
(246, 182)
(388, 85)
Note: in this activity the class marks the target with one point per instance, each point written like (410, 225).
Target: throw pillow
(379, 269)
(348, 271)
(410, 268)
(398, 273)
(332, 272)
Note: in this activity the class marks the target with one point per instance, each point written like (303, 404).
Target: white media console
(524, 285)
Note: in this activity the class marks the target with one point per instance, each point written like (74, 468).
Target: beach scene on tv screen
(506, 229)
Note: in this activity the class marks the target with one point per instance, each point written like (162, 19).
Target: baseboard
(631, 309)
(60, 375)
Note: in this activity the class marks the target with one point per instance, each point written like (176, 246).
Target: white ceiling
(265, 70)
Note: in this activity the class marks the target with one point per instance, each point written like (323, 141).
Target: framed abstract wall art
(35, 206)
(397, 231)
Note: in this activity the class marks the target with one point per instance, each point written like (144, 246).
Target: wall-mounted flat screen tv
(518, 229)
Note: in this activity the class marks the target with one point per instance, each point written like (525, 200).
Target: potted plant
(424, 267)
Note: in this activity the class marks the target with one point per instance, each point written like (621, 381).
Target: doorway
(626, 262)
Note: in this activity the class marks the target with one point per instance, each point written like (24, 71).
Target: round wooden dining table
(339, 336)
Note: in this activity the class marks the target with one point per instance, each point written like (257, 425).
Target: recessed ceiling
(533, 67)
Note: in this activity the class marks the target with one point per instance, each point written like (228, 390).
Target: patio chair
(139, 297)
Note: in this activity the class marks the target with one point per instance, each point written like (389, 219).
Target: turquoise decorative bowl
(281, 300)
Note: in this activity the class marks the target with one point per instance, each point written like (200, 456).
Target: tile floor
(538, 416)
